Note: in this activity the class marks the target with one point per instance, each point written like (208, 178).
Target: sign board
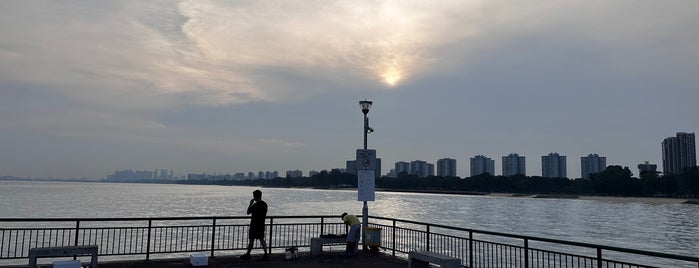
(366, 160)
(366, 184)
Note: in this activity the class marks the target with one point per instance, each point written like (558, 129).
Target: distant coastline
(628, 199)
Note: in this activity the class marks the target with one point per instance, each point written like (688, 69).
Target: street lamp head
(365, 105)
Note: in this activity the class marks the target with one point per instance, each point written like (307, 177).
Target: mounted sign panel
(366, 160)
(366, 184)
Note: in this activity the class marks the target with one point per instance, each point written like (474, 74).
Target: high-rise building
(592, 163)
(647, 167)
(402, 168)
(351, 166)
(446, 167)
(513, 164)
(679, 153)
(481, 164)
(421, 169)
(553, 166)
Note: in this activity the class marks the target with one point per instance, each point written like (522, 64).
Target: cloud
(155, 54)
(124, 63)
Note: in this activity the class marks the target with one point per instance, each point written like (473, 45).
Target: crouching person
(354, 229)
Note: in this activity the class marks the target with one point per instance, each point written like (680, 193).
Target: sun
(391, 76)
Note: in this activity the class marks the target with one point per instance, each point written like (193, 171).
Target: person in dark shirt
(258, 212)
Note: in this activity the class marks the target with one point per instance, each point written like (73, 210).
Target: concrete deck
(331, 259)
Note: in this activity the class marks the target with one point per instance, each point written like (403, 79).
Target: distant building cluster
(141, 175)
(678, 153)
(236, 176)
(418, 168)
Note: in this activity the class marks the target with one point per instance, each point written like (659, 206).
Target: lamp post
(365, 105)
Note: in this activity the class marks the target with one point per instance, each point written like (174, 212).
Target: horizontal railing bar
(160, 218)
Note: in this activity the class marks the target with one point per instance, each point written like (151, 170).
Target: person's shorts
(256, 232)
(354, 232)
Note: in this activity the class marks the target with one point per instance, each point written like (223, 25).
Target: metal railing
(148, 236)
(168, 235)
(477, 248)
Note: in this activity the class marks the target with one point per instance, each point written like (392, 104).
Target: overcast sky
(91, 87)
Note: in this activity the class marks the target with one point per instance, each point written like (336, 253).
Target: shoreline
(620, 199)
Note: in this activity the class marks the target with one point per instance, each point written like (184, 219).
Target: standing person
(355, 229)
(258, 209)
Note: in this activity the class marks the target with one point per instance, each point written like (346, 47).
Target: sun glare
(391, 76)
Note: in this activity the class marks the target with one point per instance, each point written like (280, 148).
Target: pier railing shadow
(144, 238)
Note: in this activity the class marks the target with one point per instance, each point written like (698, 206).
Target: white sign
(365, 185)
(366, 159)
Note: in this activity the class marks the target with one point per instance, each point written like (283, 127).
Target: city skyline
(552, 165)
(87, 88)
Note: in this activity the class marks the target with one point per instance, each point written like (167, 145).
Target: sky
(91, 87)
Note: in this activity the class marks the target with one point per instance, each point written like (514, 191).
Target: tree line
(614, 181)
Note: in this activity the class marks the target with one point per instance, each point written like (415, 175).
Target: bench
(318, 242)
(424, 258)
(63, 252)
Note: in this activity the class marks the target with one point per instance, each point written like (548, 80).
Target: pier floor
(329, 259)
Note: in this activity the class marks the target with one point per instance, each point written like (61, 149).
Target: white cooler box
(199, 259)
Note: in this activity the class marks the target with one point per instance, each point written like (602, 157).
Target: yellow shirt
(351, 220)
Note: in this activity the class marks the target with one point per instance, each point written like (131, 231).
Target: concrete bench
(318, 242)
(63, 252)
(420, 259)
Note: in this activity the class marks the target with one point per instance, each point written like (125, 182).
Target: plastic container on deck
(373, 237)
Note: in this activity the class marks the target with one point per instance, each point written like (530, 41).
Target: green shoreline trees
(614, 181)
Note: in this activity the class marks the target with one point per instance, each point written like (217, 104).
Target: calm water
(670, 228)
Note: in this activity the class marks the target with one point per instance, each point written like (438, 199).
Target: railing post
(322, 223)
(269, 244)
(394, 238)
(526, 253)
(150, 224)
(428, 238)
(599, 257)
(470, 249)
(213, 237)
(77, 230)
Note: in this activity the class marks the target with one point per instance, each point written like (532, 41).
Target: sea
(661, 227)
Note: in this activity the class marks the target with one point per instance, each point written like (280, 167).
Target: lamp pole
(365, 105)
